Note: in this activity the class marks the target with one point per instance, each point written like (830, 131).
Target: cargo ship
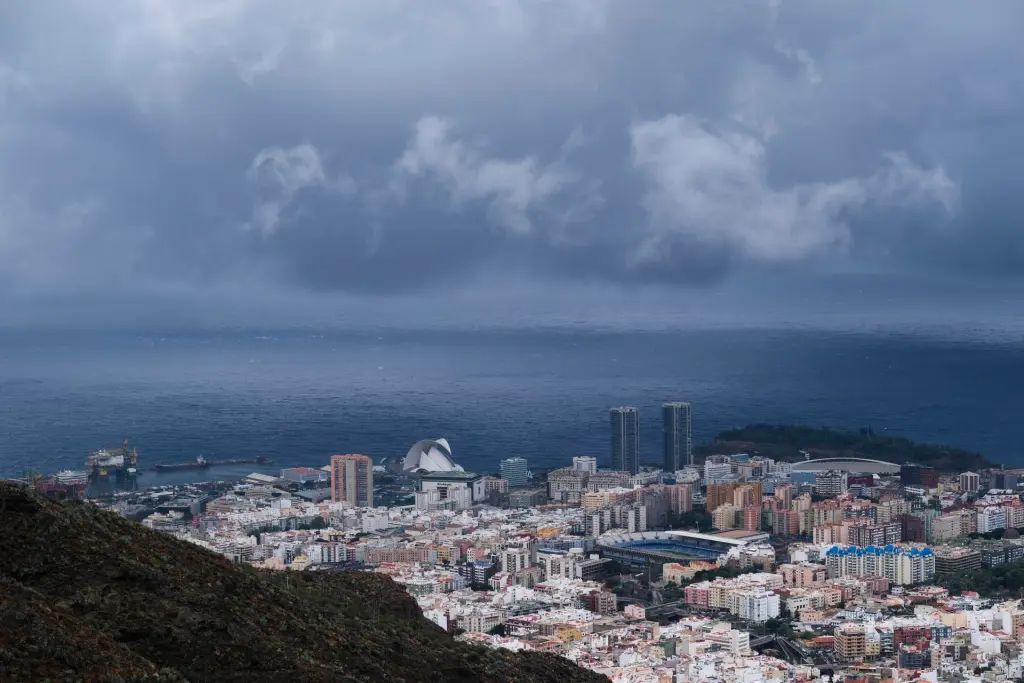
(202, 463)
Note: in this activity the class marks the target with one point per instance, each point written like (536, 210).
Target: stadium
(848, 464)
(648, 550)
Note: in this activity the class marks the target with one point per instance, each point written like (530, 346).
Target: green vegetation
(672, 592)
(1006, 580)
(777, 626)
(87, 595)
(676, 589)
(786, 441)
(996, 534)
(697, 518)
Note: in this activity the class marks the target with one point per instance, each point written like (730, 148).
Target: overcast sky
(229, 162)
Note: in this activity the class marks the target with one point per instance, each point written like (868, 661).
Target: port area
(202, 463)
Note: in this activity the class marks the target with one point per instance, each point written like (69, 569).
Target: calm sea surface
(543, 395)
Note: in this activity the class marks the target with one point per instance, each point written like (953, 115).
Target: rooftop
(450, 476)
(878, 550)
(720, 537)
(260, 477)
(739, 534)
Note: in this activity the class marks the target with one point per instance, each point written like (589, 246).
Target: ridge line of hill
(88, 595)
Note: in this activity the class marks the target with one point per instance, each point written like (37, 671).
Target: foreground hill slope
(87, 595)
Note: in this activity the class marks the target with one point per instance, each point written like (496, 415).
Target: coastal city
(714, 566)
(511, 341)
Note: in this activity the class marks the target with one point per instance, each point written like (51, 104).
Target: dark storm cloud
(370, 147)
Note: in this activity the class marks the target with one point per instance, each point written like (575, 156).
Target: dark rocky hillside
(86, 595)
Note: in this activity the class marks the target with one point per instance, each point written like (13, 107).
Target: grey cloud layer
(512, 189)
(712, 189)
(380, 147)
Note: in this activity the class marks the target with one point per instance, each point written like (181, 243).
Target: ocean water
(297, 397)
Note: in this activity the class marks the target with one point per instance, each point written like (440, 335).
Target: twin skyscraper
(678, 438)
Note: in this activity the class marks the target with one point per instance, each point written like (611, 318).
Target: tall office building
(970, 482)
(625, 439)
(678, 437)
(515, 471)
(352, 479)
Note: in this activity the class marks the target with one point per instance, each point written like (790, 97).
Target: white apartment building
(585, 463)
(899, 565)
(757, 605)
(990, 518)
(734, 641)
(479, 620)
(716, 471)
(514, 559)
(1014, 515)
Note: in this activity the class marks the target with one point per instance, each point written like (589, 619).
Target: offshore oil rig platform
(114, 469)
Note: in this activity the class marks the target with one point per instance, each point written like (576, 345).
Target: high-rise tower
(678, 451)
(352, 479)
(515, 471)
(625, 439)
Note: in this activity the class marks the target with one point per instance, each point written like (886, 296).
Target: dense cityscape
(511, 341)
(726, 567)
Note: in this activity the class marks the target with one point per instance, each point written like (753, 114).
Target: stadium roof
(847, 464)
